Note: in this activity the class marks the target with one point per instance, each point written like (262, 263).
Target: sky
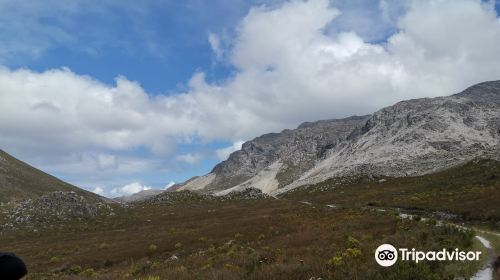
(121, 96)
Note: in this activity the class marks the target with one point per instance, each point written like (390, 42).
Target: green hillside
(19, 181)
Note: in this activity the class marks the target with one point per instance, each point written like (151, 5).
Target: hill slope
(19, 181)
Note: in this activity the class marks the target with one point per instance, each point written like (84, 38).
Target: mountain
(140, 196)
(409, 138)
(20, 181)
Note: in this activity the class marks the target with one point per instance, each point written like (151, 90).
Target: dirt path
(486, 272)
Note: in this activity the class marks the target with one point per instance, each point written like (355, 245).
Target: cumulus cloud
(292, 65)
(89, 114)
(223, 154)
(98, 190)
(129, 189)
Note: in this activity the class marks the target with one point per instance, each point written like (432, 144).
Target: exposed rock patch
(52, 209)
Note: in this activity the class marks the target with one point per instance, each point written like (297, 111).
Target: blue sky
(112, 93)
(157, 43)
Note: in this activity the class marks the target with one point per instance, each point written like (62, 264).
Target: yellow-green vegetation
(152, 248)
(55, 260)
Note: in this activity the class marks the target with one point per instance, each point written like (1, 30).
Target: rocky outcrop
(184, 197)
(409, 138)
(248, 193)
(52, 209)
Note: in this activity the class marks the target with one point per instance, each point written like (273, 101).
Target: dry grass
(264, 239)
(470, 190)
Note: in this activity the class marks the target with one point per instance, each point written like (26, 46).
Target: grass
(470, 191)
(265, 239)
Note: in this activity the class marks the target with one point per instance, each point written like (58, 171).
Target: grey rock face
(249, 193)
(51, 209)
(297, 149)
(184, 197)
(420, 136)
(409, 138)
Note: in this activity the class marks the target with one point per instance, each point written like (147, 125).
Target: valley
(332, 236)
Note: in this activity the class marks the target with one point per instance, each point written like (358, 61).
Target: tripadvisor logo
(387, 255)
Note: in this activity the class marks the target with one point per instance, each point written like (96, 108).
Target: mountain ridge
(411, 137)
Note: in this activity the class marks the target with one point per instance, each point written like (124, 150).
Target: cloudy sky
(118, 96)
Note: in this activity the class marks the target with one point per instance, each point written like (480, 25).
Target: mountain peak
(486, 91)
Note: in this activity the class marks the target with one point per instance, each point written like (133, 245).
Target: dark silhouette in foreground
(12, 267)
(496, 268)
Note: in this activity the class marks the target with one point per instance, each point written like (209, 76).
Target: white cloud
(89, 114)
(223, 154)
(290, 71)
(129, 189)
(99, 191)
(106, 161)
(291, 66)
(171, 183)
(215, 44)
(189, 158)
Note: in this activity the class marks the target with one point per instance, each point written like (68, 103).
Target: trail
(486, 272)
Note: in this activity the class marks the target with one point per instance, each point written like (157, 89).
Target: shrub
(89, 272)
(152, 248)
(352, 253)
(138, 268)
(54, 260)
(75, 269)
(335, 261)
(352, 242)
(181, 269)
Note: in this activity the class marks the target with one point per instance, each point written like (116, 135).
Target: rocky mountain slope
(19, 181)
(52, 209)
(30, 198)
(409, 138)
(140, 196)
